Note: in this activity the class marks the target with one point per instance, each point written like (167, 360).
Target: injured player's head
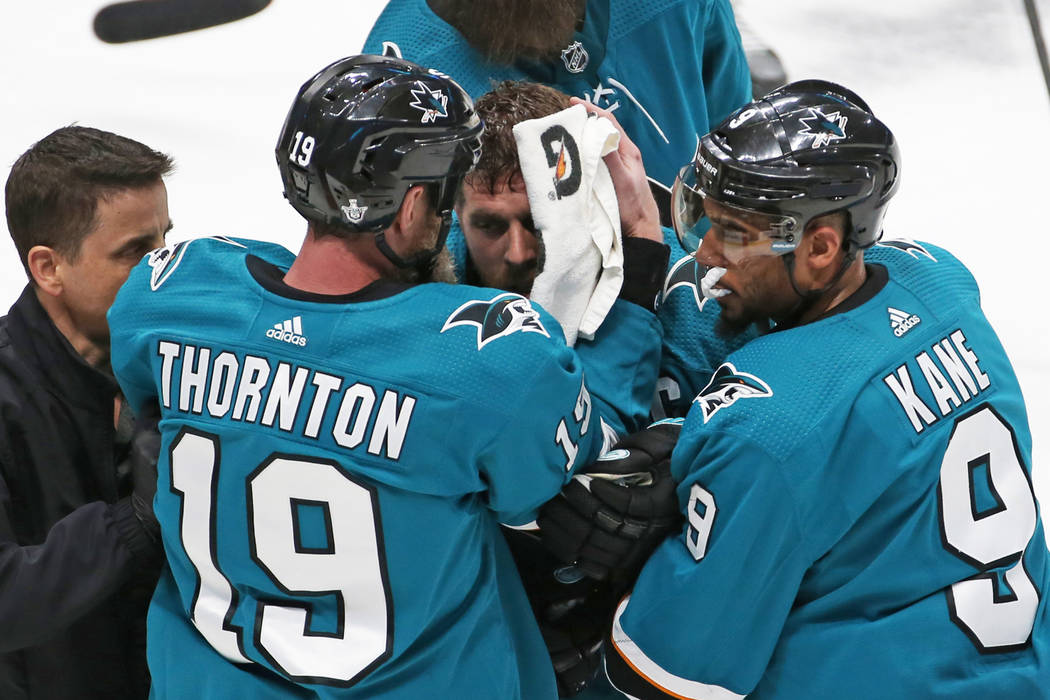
(505, 249)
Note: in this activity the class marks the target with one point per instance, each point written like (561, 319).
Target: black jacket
(76, 568)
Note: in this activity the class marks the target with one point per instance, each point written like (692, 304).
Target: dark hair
(507, 104)
(53, 189)
(540, 28)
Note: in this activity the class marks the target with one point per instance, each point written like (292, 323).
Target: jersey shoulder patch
(498, 317)
(727, 386)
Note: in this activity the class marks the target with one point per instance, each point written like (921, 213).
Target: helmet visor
(742, 233)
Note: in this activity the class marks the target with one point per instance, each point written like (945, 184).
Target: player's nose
(521, 245)
(710, 253)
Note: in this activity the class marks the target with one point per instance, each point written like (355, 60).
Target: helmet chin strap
(808, 297)
(421, 261)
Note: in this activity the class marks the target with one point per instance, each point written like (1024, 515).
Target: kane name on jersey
(953, 378)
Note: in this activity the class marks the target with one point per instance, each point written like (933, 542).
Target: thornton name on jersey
(197, 379)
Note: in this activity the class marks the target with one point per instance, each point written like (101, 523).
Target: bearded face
(508, 30)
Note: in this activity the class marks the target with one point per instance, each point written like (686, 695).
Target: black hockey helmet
(367, 128)
(805, 149)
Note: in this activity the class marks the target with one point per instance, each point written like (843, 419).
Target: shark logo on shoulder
(501, 315)
(163, 262)
(685, 273)
(908, 246)
(727, 386)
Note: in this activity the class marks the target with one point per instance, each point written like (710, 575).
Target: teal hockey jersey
(861, 519)
(333, 476)
(669, 70)
(691, 346)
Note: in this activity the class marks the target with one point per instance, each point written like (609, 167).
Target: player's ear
(45, 269)
(825, 246)
(413, 207)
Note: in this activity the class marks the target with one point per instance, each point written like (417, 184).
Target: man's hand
(639, 215)
(145, 447)
(609, 519)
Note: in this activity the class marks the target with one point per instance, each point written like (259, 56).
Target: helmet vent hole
(369, 85)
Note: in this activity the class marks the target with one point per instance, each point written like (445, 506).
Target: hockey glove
(573, 612)
(609, 518)
(142, 457)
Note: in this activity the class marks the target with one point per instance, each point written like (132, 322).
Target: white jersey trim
(654, 674)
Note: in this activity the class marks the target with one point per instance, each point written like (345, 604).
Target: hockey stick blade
(150, 19)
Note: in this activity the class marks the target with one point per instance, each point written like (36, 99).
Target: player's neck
(331, 265)
(843, 288)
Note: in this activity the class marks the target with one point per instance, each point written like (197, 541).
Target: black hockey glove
(142, 457)
(573, 612)
(609, 518)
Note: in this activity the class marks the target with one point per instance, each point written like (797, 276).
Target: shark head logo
(685, 273)
(824, 128)
(163, 262)
(433, 103)
(727, 386)
(499, 316)
(910, 247)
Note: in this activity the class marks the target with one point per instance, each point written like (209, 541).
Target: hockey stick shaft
(1040, 44)
(137, 20)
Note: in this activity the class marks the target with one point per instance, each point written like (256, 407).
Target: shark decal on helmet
(824, 128)
(433, 103)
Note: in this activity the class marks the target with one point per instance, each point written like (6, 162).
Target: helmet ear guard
(366, 129)
(806, 149)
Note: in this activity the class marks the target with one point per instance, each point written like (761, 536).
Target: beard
(438, 269)
(504, 31)
(516, 279)
(732, 325)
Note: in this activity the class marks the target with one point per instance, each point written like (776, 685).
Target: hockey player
(494, 242)
(856, 483)
(668, 69)
(341, 442)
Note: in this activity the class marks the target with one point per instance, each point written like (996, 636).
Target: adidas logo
(901, 321)
(290, 331)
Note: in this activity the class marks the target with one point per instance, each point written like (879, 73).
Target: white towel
(574, 206)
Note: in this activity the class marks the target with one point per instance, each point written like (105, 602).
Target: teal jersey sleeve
(727, 583)
(727, 77)
(621, 363)
(556, 404)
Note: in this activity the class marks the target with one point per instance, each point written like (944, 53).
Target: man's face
(758, 284)
(501, 237)
(129, 224)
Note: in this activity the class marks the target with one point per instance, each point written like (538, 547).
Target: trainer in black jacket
(77, 564)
